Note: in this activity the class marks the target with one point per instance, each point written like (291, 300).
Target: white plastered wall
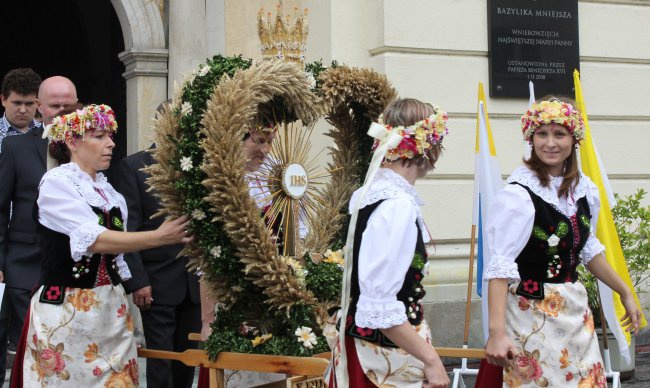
(437, 51)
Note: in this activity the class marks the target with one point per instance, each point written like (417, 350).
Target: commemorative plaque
(532, 40)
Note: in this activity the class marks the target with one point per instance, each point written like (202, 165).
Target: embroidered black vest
(551, 254)
(59, 271)
(410, 294)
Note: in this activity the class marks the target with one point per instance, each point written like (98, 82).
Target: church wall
(437, 51)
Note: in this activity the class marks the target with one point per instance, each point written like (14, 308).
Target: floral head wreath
(416, 138)
(78, 122)
(269, 127)
(552, 111)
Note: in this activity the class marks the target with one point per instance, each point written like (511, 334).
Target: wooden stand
(301, 368)
(304, 372)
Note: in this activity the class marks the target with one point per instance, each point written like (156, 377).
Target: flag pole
(463, 370)
(609, 244)
(614, 375)
(470, 281)
(603, 326)
(458, 372)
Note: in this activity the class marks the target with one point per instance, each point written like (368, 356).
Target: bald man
(22, 164)
(56, 94)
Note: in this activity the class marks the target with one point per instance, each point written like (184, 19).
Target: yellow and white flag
(605, 230)
(487, 182)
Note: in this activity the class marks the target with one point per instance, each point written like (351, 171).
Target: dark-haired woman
(540, 227)
(79, 330)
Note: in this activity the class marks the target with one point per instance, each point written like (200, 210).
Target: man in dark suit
(167, 295)
(22, 165)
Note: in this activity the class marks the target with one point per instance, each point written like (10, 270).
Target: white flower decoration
(186, 108)
(425, 270)
(186, 163)
(311, 79)
(305, 336)
(216, 251)
(198, 214)
(553, 241)
(204, 70)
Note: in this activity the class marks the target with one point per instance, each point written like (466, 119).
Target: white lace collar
(389, 184)
(86, 186)
(528, 178)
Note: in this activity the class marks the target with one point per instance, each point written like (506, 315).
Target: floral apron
(87, 341)
(555, 339)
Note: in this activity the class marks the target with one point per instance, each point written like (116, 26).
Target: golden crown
(282, 39)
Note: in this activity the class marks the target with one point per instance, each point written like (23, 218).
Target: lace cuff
(83, 237)
(379, 314)
(591, 249)
(502, 267)
(122, 267)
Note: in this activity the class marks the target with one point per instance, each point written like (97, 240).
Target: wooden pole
(470, 281)
(603, 321)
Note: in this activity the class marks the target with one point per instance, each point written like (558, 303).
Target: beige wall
(437, 51)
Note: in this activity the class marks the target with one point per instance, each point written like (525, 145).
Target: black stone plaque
(532, 40)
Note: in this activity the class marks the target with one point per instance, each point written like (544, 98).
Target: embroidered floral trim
(85, 185)
(122, 267)
(418, 262)
(539, 233)
(117, 223)
(502, 268)
(86, 235)
(557, 233)
(592, 248)
(81, 268)
(379, 314)
(82, 238)
(562, 229)
(527, 177)
(553, 268)
(414, 307)
(530, 286)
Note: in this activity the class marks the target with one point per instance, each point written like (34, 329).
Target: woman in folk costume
(539, 230)
(79, 332)
(386, 341)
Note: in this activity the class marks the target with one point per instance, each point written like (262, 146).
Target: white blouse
(66, 195)
(512, 213)
(387, 249)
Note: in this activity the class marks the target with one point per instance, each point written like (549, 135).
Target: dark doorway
(78, 39)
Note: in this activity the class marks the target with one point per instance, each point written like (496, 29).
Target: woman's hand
(632, 318)
(206, 330)
(174, 231)
(499, 349)
(435, 375)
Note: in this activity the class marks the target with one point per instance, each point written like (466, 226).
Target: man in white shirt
(18, 96)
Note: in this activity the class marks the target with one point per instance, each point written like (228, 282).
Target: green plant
(632, 221)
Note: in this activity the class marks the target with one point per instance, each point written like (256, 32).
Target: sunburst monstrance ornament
(293, 178)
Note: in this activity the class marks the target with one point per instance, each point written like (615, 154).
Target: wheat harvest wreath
(268, 303)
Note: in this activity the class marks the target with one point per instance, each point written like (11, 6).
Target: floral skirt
(383, 366)
(555, 339)
(87, 341)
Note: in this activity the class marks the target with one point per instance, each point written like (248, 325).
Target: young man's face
(256, 148)
(19, 109)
